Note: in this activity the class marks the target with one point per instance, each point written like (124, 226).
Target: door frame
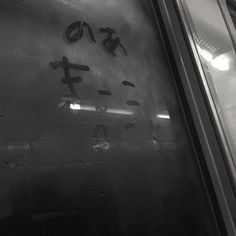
(174, 28)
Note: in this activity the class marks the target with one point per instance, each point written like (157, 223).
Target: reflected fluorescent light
(205, 54)
(87, 108)
(221, 63)
(79, 107)
(163, 116)
(120, 112)
(75, 106)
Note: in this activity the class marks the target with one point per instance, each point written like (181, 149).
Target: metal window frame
(178, 34)
(209, 91)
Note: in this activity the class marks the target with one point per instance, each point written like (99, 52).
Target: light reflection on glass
(75, 106)
(164, 115)
(121, 112)
(87, 108)
(220, 63)
(80, 107)
(205, 54)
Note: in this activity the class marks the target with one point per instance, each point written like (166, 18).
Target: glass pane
(91, 134)
(216, 50)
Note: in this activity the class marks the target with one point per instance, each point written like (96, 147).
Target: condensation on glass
(216, 50)
(92, 140)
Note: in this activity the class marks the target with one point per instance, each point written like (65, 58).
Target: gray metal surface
(218, 73)
(218, 79)
(116, 160)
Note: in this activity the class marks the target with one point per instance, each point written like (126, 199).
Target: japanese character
(75, 31)
(110, 43)
(68, 80)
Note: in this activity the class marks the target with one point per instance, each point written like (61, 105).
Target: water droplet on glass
(133, 103)
(104, 92)
(127, 83)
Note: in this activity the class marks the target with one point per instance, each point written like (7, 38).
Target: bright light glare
(205, 54)
(75, 106)
(79, 107)
(121, 112)
(87, 108)
(221, 63)
(164, 115)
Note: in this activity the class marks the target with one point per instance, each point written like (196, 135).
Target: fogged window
(92, 138)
